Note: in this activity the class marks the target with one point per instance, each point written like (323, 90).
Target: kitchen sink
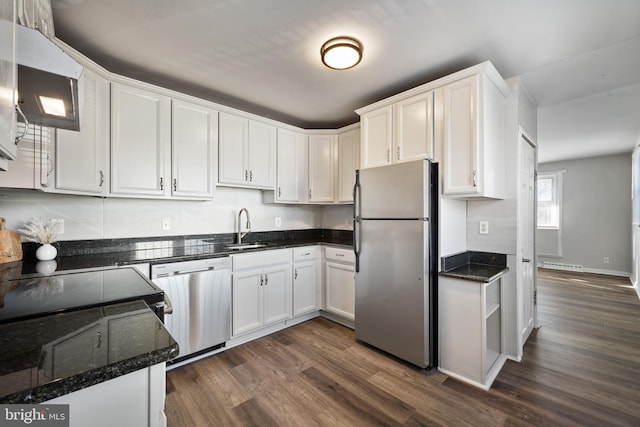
(236, 246)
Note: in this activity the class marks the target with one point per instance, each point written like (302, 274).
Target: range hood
(45, 70)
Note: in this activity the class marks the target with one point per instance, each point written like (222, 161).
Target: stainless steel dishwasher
(200, 293)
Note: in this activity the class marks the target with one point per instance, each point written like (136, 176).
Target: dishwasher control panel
(185, 267)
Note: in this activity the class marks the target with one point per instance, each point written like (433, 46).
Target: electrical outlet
(60, 222)
(484, 227)
(606, 260)
(278, 221)
(166, 224)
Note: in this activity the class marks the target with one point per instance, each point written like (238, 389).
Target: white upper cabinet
(473, 132)
(322, 168)
(399, 132)
(377, 137)
(81, 158)
(8, 83)
(247, 153)
(414, 120)
(291, 169)
(348, 162)
(193, 150)
(140, 142)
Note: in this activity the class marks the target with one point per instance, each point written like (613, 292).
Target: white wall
(104, 218)
(596, 213)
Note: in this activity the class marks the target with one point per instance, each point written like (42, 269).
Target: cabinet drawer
(340, 255)
(261, 259)
(305, 254)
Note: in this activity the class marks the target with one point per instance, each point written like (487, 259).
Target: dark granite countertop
(475, 266)
(91, 254)
(126, 337)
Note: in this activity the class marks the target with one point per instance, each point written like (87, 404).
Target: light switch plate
(278, 221)
(484, 227)
(166, 224)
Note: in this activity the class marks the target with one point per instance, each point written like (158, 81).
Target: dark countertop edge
(474, 278)
(78, 382)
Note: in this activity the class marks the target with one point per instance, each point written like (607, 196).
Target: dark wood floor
(582, 368)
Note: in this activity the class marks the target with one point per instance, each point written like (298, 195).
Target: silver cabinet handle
(388, 156)
(246, 175)
(101, 179)
(309, 194)
(279, 191)
(99, 339)
(475, 178)
(526, 260)
(398, 153)
(162, 183)
(251, 176)
(266, 279)
(175, 184)
(26, 125)
(262, 280)
(295, 273)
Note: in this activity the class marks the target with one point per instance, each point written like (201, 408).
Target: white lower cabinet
(340, 282)
(470, 330)
(131, 400)
(261, 289)
(306, 280)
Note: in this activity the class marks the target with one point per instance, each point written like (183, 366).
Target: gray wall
(596, 213)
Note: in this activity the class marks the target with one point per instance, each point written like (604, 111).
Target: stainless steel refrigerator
(395, 242)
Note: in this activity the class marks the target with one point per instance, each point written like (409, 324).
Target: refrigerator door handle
(356, 220)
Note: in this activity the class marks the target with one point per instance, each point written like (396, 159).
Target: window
(549, 200)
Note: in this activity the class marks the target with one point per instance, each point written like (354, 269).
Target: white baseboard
(580, 269)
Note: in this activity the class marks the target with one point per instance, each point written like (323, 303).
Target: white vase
(46, 252)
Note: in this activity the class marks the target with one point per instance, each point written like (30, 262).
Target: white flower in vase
(45, 234)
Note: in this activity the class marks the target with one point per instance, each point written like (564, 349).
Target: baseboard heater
(561, 266)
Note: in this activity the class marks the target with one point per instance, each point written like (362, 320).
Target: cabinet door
(234, 138)
(377, 137)
(348, 149)
(321, 168)
(461, 163)
(261, 155)
(305, 285)
(8, 83)
(81, 157)
(291, 167)
(414, 128)
(139, 141)
(340, 289)
(277, 293)
(194, 129)
(247, 313)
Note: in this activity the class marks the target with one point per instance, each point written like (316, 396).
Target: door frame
(524, 137)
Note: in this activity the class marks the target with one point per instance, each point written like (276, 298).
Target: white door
(414, 128)
(321, 168)
(377, 137)
(277, 286)
(526, 231)
(287, 172)
(81, 156)
(262, 155)
(140, 141)
(348, 147)
(192, 146)
(232, 151)
(247, 301)
(340, 289)
(304, 288)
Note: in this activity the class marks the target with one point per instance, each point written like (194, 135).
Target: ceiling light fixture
(341, 53)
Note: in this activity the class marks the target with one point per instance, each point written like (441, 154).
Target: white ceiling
(578, 59)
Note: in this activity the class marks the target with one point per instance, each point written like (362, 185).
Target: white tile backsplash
(97, 218)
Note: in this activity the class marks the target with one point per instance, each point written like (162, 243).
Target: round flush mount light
(341, 53)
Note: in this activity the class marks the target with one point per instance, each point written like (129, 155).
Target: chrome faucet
(240, 233)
